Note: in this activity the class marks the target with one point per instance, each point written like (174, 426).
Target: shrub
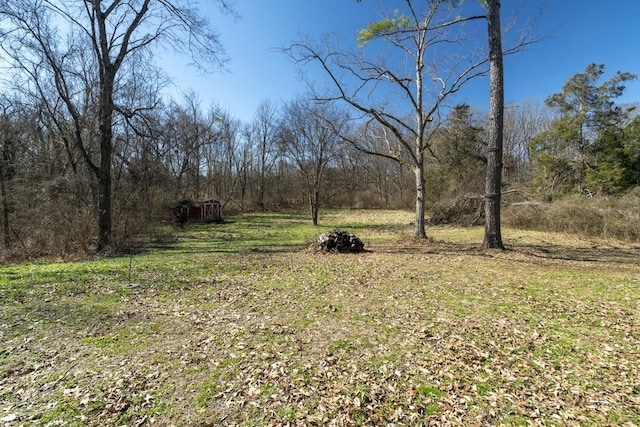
(600, 216)
(466, 211)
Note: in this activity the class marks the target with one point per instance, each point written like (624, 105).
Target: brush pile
(463, 211)
(338, 241)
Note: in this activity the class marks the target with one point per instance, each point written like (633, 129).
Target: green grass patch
(240, 323)
(120, 342)
(430, 392)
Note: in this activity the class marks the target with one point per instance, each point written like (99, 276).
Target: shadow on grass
(293, 232)
(519, 252)
(266, 248)
(53, 314)
(269, 233)
(376, 228)
(600, 254)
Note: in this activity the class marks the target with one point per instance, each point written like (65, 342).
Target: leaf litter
(409, 334)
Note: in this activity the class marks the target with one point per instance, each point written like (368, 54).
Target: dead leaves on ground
(374, 339)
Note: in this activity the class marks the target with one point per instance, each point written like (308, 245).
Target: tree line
(88, 143)
(287, 157)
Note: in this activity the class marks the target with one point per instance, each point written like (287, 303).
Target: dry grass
(227, 327)
(599, 216)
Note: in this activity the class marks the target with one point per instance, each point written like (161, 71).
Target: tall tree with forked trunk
(397, 98)
(83, 49)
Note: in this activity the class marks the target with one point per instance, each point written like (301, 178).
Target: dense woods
(48, 204)
(69, 139)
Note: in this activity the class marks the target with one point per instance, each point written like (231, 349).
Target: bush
(465, 211)
(604, 217)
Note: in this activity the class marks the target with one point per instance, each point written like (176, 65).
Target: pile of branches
(465, 211)
(338, 241)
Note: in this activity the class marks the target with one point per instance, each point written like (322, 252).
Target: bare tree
(227, 164)
(180, 142)
(352, 165)
(53, 39)
(310, 141)
(522, 122)
(8, 144)
(263, 138)
(412, 78)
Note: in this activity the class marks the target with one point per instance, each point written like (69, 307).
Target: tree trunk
(261, 192)
(313, 203)
(104, 201)
(106, 155)
(419, 231)
(5, 209)
(492, 233)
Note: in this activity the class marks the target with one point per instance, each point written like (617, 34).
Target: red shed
(187, 210)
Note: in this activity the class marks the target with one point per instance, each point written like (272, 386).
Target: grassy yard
(239, 324)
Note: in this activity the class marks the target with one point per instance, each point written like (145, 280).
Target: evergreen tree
(588, 118)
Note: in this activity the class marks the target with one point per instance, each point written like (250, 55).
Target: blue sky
(578, 32)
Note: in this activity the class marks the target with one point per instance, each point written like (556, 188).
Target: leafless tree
(522, 122)
(83, 47)
(9, 142)
(309, 137)
(186, 136)
(412, 77)
(227, 158)
(262, 137)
